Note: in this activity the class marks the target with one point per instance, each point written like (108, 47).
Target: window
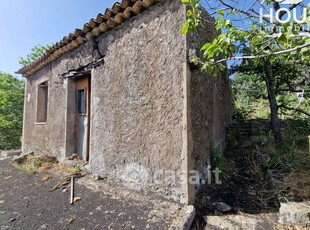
(81, 102)
(42, 102)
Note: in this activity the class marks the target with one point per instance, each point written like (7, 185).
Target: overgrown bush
(291, 153)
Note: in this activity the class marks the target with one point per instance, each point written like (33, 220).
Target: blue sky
(26, 23)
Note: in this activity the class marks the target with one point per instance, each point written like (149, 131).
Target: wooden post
(72, 190)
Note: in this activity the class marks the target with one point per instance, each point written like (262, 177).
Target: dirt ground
(246, 190)
(26, 202)
(242, 191)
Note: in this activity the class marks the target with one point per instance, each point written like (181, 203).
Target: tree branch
(239, 10)
(293, 109)
(266, 55)
(300, 35)
(293, 90)
(290, 9)
(246, 12)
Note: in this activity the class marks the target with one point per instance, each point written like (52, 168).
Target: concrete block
(10, 153)
(184, 218)
(295, 213)
(190, 211)
(245, 221)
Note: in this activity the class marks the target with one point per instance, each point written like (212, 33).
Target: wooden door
(82, 116)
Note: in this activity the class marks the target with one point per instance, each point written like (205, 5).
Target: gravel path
(27, 203)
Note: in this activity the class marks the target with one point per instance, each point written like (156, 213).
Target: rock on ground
(246, 222)
(295, 213)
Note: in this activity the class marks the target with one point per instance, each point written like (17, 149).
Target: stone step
(244, 222)
(296, 213)
(290, 214)
(10, 153)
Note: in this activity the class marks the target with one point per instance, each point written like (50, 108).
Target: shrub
(11, 111)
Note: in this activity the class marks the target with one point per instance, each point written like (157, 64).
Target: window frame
(79, 103)
(42, 119)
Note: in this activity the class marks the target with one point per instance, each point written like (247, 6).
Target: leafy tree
(252, 102)
(247, 90)
(35, 53)
(272, 48)
(11, 111)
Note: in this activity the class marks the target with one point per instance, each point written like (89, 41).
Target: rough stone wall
(137, 103)
(211, 111)
(44, 138)
(152, 118)
(56, 136)
(211, 102)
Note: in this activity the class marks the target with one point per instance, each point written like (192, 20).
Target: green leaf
(282, 39)
(221, 12)
(185, 28)
(186, 1)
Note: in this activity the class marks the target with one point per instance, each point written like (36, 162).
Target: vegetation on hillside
(11, 111)
(269, 64)
(12, 102)
(251, 99)
(274, 50)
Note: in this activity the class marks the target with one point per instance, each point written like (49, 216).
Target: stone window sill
(40, 123)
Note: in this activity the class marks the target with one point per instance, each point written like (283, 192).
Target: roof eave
(114, 16)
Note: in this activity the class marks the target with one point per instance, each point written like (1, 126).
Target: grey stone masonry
(153, 117)
(295, 213)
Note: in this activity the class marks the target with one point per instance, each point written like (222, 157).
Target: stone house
(121, 93)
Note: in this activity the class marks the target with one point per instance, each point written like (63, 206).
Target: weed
(291, 152)
(70, 169)
(31, 165)
(233, 138)
(218, 162)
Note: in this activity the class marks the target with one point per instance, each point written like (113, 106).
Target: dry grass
(298, 183)
(35, 163)
(31, 164)
(68, 169)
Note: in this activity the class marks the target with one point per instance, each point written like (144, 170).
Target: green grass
(292, 152)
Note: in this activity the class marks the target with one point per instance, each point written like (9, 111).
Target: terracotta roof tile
(103, 22)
